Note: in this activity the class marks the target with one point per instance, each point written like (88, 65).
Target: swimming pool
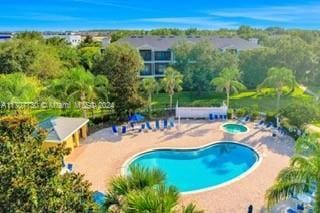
(235, 128)
(194, 170)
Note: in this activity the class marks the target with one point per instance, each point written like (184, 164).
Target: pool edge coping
(124, 166)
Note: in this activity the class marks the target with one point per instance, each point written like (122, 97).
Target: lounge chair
(132, 125)
(290, 210)
(143, 128)
(211, 117)
(124, 130)
(165, 123)
(221, 117)
(114, 129)
(260, 123)
(70, 167)
(157, 123)
(225, 117)
(216, 117)
(148, 125)
(171, 123)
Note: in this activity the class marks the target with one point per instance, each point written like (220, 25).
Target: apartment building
(157, 54)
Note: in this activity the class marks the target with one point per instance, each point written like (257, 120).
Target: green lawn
(265, 101)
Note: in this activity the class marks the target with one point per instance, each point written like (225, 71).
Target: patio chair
(260, 123)
(132, 125)
(171, 123)
(148, 125)
(221, 117)
(70, 167)
(157, 123)
(225, 117)
(143, 128)
(165, 123)
(216, 117)
(114, 130)
(290, 210)
(211, 117)
(124, 130)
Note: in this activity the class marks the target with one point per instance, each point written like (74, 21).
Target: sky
(151, 14)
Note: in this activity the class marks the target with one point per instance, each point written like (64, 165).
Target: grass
(265, 100)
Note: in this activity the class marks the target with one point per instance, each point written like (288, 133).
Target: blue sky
(149, 14)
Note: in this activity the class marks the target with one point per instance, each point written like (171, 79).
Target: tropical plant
(17, 87)
(172, 82)
(150, 86)
(228, 81)
(30, 175)
(80, 85)
(144, 190)
(279, 79)
(302, 173)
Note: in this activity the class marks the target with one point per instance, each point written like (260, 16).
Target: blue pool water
(234, 128)
(196, 169)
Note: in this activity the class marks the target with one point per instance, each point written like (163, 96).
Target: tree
(303, 171)
(31, 57)
(80, 85)
(196, 63)
(300, 114)
(279, 79)
(172, 82)
(129, 193)
(121, 64)
(228, 81)
(17, 87)
(150, 86)
(254, 64)
(88, 55)
(30, 175)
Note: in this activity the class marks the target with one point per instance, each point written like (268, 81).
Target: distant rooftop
(60, 128)
(166, 42)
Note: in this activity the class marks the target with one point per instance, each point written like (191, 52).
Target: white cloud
(205, 22)
(287, 14)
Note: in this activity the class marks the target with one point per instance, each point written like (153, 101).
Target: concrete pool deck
(103, 154)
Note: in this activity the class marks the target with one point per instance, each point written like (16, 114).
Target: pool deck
(103, 154)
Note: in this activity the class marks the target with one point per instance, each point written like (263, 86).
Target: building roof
(60, 128)
(166, 42)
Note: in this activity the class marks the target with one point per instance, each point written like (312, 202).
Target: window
(147, 70)
(160, 68)
(146, 55)
(162, 55)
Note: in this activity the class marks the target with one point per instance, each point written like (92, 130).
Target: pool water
(233, 128)
(195, 169)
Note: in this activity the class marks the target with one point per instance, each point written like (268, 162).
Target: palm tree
(228, 81)
(303, 171)
(279, 78)
(80, 85)
(172, 82)
(143, 190)
(150, 86)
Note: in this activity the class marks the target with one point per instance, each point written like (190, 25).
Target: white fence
(200, 112)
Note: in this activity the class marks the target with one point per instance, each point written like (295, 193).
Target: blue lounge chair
(124, 130)
(148, 125)
(132, 125)
(211, 117)
(290, 210)
(216, 117)
(157, 125)
(165, 123)
(143, 126)
(221, 117)
(70, 167)
(225, 117)
(114, 129)
(171, 123)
